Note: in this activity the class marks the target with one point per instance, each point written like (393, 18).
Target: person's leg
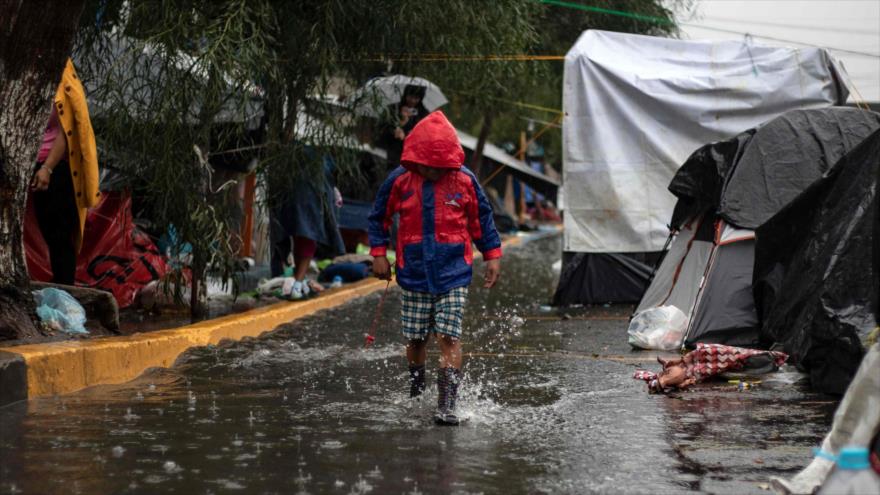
(415, 317)
(44, 213)
(63, 255)
(280, 251)
(448, 315)
(303, 252)
(416, 354)
(450, 351)
(57, 218)
(68, 223)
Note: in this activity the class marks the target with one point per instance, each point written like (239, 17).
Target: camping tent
(728, 189)
(813, 282)
(635, 108)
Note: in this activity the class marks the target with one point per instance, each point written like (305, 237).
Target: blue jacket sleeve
(380, 217)
(483, 231)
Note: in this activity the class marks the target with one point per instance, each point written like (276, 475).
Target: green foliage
(171, 83)
(175, 84)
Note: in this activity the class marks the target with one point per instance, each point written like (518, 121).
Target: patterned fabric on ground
(423, 313)
(709, 360)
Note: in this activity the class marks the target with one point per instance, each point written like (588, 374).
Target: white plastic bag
(60, 310)
(660, 328)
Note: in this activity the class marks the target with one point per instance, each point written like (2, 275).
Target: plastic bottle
(852, 475)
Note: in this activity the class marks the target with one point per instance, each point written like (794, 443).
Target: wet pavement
(550, 406)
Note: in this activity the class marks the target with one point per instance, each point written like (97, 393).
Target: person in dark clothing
(54, 203)
(400, 119)
(307, 213)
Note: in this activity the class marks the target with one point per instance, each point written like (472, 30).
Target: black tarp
(698, 183)
(598, 278)
(748, 178)
(788, 154)
(813, 286)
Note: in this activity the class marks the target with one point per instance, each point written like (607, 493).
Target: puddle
(307, 409)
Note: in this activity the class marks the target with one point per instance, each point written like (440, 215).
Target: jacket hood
(433, 142)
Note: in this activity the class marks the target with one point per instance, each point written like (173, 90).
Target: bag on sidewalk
(60, 311)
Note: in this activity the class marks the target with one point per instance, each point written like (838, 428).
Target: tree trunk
(477, 157)
(35, 40)
(196, 311)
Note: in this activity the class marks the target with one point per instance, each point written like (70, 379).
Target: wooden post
(477, 157)
(247, 225)
(521, 205)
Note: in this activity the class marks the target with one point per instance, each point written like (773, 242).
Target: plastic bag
(60, 311)
(660, 328)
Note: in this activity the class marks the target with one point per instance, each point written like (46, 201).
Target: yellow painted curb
(64, 367)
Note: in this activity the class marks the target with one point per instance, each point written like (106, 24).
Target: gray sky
(848, 25)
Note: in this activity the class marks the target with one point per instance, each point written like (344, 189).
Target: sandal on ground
(314, 287)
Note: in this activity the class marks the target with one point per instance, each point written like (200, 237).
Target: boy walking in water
(442, 209)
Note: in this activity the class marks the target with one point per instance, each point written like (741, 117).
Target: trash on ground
(660, 328)
(707, 361)
(60, 311)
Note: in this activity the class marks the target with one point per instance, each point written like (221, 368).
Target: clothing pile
(707, 361)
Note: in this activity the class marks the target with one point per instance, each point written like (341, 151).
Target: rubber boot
(447, 393)
(416, 380)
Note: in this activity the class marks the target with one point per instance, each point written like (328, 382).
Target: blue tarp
(354, 214)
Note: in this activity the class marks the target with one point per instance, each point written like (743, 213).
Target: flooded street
(549, 403)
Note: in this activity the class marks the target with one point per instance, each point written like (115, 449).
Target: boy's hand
(381, 268)
(493, 271)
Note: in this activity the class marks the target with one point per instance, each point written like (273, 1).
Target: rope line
(371, 335)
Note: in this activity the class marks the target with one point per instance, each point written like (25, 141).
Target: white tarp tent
(848, 29)
(637, 106)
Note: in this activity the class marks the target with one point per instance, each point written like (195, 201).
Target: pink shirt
(53, 127)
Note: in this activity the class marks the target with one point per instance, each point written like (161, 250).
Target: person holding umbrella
(401, 118)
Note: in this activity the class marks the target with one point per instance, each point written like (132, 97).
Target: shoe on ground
(314, 287)
(296, 291)
(805, 482)
(446, 419)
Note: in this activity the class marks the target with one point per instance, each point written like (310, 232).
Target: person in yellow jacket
(65, 183)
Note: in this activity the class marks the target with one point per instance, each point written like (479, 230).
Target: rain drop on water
(171, 467)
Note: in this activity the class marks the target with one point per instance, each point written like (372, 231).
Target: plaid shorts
(424, 313)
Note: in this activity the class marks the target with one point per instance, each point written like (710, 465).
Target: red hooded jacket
(438, 220)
